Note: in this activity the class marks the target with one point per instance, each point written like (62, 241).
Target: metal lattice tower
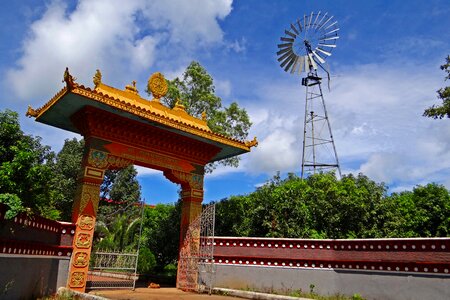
(319, 151)
(304, 47)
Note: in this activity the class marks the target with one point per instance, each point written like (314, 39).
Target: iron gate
(115, 270)
(112, 270)
(196, 265)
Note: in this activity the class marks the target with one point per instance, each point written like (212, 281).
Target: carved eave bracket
(252, 143)
(69, 79)
(31, 112)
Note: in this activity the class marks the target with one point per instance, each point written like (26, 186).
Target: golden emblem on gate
(157, 85)
(80, 259)
(86, 222)
(77, 279)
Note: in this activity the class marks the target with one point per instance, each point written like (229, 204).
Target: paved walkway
(155, 294)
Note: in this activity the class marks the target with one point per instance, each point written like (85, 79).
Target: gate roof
(129, 104)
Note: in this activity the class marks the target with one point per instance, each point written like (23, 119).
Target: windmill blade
(334, 23)
(317, 17)
(310, 20)
(329, 19)
(295, 65)
(290, 33)
(284, 51)
(311, 60)
(299, 25)
(330, 38)
(304, 23)
(334, 30)
(320, 59)
(323, 51)
(321, 20)
(290, 63)
(327, 45)
(285, 55)
(294, 29)
(301, 63)
(290, 57)
(285, 39)
(285, 45)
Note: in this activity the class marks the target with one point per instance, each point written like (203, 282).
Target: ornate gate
(195, 264)
(112, 270)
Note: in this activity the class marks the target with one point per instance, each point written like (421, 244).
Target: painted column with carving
(84, 214)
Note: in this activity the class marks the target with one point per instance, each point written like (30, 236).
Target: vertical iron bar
(139, 244)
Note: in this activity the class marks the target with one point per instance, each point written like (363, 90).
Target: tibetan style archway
(121, 128)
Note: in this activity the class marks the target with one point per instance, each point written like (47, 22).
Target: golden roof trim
(131, 102)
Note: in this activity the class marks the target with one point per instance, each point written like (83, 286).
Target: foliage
(321, 206)
(146, 261)
(66, 171)
(441, 111)
(122, 189)
(14, 205)
(161, 231)
(196, 92)
(26, 167)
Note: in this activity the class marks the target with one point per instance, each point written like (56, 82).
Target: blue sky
(385, 72)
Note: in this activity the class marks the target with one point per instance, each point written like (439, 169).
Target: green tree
(441, 111)
(196, 91)
(161, 231)
(66, 170)
(122, 189)
(26, 168)
(423, 212)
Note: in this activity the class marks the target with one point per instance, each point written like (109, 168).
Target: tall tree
(441, 111)
(196, 91)
(66, 169)
(120, 194)
(25, 168)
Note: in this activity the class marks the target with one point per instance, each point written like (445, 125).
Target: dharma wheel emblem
(157, 85)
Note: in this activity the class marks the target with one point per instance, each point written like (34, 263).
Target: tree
(196, 92)
(25, 168)
(66, 169)
(161, 232)
(441, 111)
(122, 192)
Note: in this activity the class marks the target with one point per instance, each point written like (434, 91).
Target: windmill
(303, 49)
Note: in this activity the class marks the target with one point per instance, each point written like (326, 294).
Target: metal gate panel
(195, 265)
(112, 270)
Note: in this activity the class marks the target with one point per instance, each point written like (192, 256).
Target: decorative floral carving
(157, 85)
(77, 279)
(80, 259)
(83, 240)
(86, 222)
(98, 159)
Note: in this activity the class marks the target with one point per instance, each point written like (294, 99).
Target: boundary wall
(34, 255)
(415, 268)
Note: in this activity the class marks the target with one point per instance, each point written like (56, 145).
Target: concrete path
(176, 294)
(155, 294)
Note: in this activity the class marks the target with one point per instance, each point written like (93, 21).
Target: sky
(385, 72)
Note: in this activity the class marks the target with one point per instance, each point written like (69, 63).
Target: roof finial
(69, 79)
(204, 115)
(97, 78)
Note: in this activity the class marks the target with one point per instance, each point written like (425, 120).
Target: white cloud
(238, 46)
(376, 117)
(122, 39)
